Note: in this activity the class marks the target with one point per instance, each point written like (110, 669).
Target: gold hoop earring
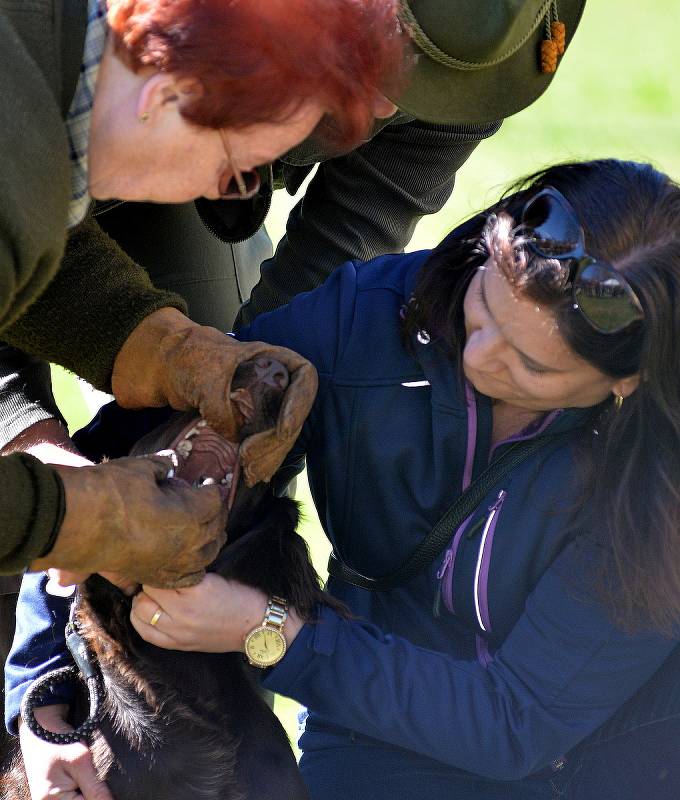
(618, 401)
(142, 118)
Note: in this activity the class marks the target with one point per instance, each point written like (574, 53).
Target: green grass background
(616, 93)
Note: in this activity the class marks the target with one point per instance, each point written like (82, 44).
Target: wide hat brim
(442, 94)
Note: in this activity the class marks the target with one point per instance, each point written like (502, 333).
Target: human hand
(48, 441)
(55, 771)
(170, 360)
(124, 517)
(60, 579)
(214, 616)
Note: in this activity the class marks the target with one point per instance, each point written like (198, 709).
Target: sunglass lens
(606, 298)
(552, 226)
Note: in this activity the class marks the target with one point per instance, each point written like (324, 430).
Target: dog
(178, 725)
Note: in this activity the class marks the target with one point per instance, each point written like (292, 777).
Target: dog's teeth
(175, 462)
(184, 448)
(228, 478)
(193, 432)
(206, 481)
(201, 423)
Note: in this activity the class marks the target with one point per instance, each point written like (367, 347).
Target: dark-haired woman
(534, 657)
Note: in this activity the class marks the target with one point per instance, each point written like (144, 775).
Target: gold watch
(266, 645)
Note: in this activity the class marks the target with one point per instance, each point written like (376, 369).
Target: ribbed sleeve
(90, 308)
(31, 511)
(25, 393)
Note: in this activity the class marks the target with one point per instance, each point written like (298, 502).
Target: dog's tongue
(205, 457)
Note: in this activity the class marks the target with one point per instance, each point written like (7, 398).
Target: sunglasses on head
(599, 292)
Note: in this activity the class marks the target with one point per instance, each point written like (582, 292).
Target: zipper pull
(436, 607)
(445, 564)
(499, 500)
(474, 530)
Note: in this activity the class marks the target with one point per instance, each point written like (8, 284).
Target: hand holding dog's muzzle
(125, 516)
(170, 360)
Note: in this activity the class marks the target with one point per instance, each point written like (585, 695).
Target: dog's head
(203, 456)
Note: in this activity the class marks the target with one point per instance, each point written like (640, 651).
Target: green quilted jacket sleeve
(90, 308)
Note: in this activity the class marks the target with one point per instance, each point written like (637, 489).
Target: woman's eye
(532, 368)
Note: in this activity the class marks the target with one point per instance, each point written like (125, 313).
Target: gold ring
(156, 616)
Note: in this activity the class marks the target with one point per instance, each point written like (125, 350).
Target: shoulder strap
(433, 544)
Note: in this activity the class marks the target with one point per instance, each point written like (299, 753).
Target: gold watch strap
(276, 614)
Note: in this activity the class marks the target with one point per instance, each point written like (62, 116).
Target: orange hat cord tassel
(554, 42)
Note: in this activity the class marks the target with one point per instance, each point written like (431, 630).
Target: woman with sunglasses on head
(532, 653)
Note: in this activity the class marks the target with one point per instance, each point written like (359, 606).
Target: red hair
(258, 60)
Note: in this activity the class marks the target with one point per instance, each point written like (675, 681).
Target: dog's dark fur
(181, 725)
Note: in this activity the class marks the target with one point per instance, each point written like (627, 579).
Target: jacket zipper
(481, 583)
(445, 572)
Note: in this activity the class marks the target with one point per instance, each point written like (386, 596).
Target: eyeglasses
(599, 292)
(236, 184)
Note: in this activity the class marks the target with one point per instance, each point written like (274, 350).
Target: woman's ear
(624, 387)
(165, 92)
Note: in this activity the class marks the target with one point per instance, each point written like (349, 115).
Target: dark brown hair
(630, 214)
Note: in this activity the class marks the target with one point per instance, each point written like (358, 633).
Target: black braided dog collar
(85, 668)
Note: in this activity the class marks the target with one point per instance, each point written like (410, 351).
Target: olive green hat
(479, 60)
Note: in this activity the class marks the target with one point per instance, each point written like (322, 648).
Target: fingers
(204, 503)
(91, 788)
(175, 581)
(152, 634)
(298, 401)
(127, 586)
(207, 618)
(151, 621)
(161, 466)
(261, 455)
(62, 582)
(56, 771)
(182, 530)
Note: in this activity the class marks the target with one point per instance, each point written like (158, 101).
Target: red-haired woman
(160, 101)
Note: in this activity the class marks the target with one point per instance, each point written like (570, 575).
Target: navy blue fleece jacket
(529, 664)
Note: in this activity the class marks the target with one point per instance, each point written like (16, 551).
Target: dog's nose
(272, 372)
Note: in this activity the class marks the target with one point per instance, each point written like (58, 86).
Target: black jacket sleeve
(364, 204)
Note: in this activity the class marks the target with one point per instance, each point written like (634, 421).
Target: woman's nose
(383, 108)
(483, 349)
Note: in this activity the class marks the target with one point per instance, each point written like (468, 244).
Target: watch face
(265, 646)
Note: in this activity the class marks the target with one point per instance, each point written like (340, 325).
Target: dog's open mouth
(205, 458)
(201, 456)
